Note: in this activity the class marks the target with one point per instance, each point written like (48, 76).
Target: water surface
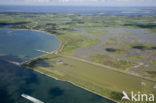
(26, 44)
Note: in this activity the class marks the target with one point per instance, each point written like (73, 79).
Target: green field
(94, 77)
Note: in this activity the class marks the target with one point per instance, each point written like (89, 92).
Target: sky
(81, 2)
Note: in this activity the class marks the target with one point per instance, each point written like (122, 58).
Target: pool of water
(21, 45)
(26, 44)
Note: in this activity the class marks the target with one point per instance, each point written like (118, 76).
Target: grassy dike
(31, 64)
(95, 78)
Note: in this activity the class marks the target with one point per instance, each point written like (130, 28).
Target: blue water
(19, 45)
(82, 10)
(26, 44)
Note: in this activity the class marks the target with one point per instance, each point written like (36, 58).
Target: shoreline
(60, 47)
(74, 84)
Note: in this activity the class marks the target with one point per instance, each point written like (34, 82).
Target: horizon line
(76, 5)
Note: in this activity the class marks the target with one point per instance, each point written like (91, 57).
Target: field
(94, 77)
(101, 53)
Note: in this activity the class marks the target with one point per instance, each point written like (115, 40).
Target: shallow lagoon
(26, 44)
(21, 45)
